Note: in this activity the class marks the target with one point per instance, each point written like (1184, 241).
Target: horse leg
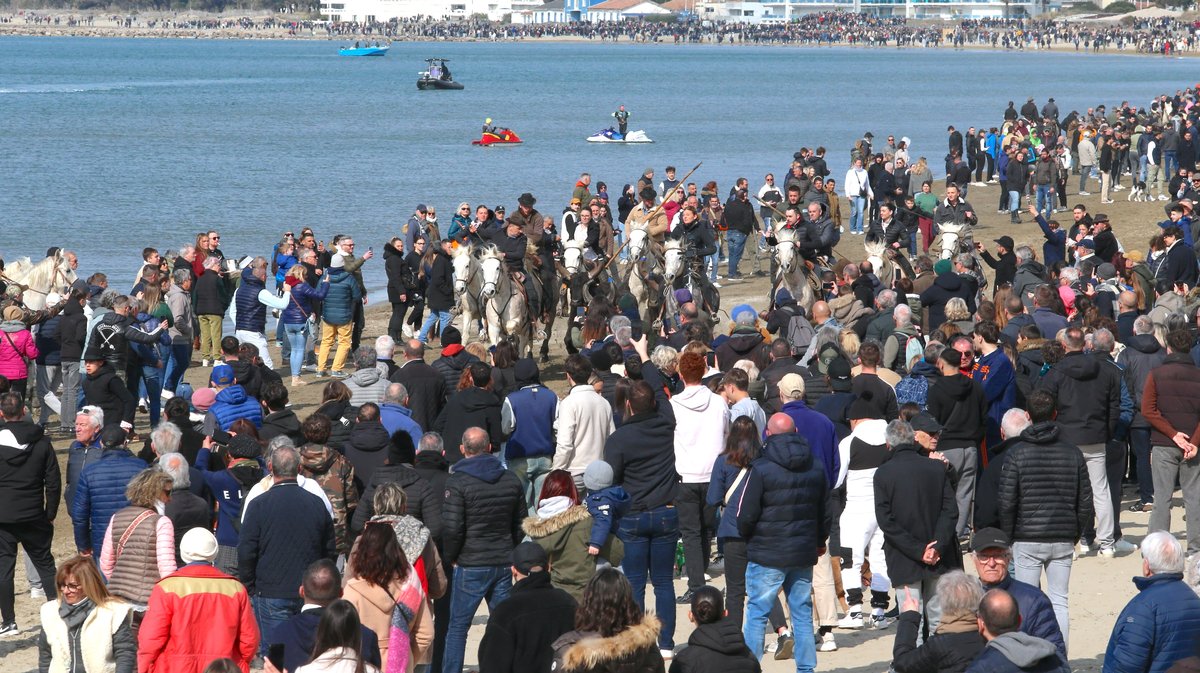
(546, 341)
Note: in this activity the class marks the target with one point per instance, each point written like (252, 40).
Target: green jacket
(564, 536)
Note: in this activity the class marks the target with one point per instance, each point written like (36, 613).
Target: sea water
(110, 145)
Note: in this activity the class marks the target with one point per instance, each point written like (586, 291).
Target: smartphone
(580, 311)
(370, 248)
(221, 437)
(275, 655)
(635, 331)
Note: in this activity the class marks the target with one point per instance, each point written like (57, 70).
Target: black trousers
(735, 585)
(360, 321)
(396, 322)
(697, 526)
(35, 537)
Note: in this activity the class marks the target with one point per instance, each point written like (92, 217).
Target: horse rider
(953, 209)
(513, 244)
(645, 215)
(13, 296)
(699, 242)
(819, 233)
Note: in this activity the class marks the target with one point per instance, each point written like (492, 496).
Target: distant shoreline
(18, 28)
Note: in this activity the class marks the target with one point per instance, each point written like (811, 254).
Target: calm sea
(109, 145)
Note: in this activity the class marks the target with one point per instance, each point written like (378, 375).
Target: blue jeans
(177, 364)
(1029, 559)
(297, 337)
(471, 586)
(270, 613)
(762, 585)
(737, 244)
(1045, 200)
(857, 203)
(1169, 163)
(649, 539)
(434, 317)
(1014, 201)
(532, 471)
(152, 379)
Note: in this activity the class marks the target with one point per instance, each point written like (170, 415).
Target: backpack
(905, 350)
(913, 389)
(799, 333)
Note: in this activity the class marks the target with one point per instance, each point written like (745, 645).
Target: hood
(114, 318)
(16, 440)
(722, 636)
(369, 436)
(428, 460)
(249, 278)
(1023, 649)
(246, 472)
(287, 420)
(316, 458)
(923, 368)
(790, 451)
(1035, 267)
(1144, 343)
(234, 394)
(951, 282)
(695, 398)
(1045, 432)
(74, 308)
(410, 533)
(390, 251)
(995, 451)
(592, 652)
(486, 468)
(12, 326)
(476, 399)
(104, 370)
(334, 410)
(1032, 346)
(958, 386)
(1170, 301)
(366, 377)
(1079, 367)
(541, 525)
(373, 594)
(742, 342)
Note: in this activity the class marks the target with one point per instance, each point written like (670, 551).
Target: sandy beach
(1100, 587)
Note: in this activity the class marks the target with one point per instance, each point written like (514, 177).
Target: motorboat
(497, 137)
(611, 135)
(436, 75)
(365, 50)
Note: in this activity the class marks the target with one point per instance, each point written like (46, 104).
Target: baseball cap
(839, 374)
(222, 375)
(529, 557)
(923, 422)
(792, 386)
(989, 538)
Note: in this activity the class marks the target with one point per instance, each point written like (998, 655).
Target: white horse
(503, 306)
(885, 267)
(39, 279)
(792, 271)
(950, 235)
(468, 283)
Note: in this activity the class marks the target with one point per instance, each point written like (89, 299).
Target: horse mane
(785, 234)
(490, 251)
(874, 246)
(34, 274)
(673, 244)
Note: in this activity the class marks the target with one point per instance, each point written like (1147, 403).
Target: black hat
(924, 422)
(526, 200)
(989, 538)
(113, 436)
(526, 371)
(451, 335)
(244, 446)
(529, 557)
(648, 193)
(1005, 241)
(868, 134)
(838, 370)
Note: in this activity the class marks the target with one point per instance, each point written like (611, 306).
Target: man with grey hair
(306, 483)
(880, 327)
(1142, 353)
(366, 384)
(959, 596)
(987, 508)
(211, 304)
(250, 304)
(395, 414)
(185, 509)
(179, 300)
(1158, 627)
(85, 450)
(917, 512)
(1030, 274)
(895, 347)
(284, 531)
(385, 349)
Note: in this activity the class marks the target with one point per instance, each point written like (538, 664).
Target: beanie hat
(744, 315)
(598, 476)
(198, 544)
(451, 335)
(113, 436)
(526, 372)
(942, 266)
(203, 398)
(336, 261)
(783, 296)
(244, 446)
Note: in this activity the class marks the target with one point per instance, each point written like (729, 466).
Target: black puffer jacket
(482, 515)
(426, 391)
(30, 481)
(1142, 354)
(472, 407)
(103, 389)
(424, 503)
(945, 287)
(366, 449)
(636, 451)
(72, 331)
(959, 404)
(341, 415)
(716, 648)
(454, 359)
(1089, 398)
(1045, 494)
(785, 514)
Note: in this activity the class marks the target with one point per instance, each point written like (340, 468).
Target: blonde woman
(86, 629)
(139, 545)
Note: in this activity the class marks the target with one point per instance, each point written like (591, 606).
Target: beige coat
(374, 605)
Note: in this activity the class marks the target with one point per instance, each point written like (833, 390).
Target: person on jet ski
(699, 241)
(488, 127)
(622, 117)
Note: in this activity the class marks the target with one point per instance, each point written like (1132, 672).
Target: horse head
(637, 243)
(573, 256)
(461, 260)
(876, 249)
(491, 267)
(952, 233)
(785, 250)
(673, 259)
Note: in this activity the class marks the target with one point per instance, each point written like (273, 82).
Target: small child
(605, 502)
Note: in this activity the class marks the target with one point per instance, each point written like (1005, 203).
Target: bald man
(785, 521)
(1008, 649)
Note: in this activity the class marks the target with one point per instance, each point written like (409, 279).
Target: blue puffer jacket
(49, 349)
(251, 314)
(1157, 628)
(232, 404)
(339, 300)
(1037, 614)
(304, 295)
(151, 353)
(784, 511)
(100, 493)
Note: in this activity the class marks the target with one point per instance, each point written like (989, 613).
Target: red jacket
(196, 615)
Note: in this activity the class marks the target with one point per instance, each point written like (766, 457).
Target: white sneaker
(854, 620)
(1162, 197)
(406, 331)
(37, 594)
(205, 363)
(717, 285)
(828, 644)
(1107, 201)
(9, 630)
(1084, 547)
(667, 654)
(1085, 193)
(880, 621)
(166, 395)
(1123, 546)
(1117, 188)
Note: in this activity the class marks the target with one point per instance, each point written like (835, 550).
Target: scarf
(73, 615)
(408, 603)
(963, 623)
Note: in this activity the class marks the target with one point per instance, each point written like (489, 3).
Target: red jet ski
(497, 137)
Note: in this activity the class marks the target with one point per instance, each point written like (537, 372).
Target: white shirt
(301, 481)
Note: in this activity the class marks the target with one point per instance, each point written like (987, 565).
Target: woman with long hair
(339, 639)
(387, 593)
(139, 545)
(297, 316)
(86, 629)
(504, 369)
(390, 506)
(335, 405)
(611, 634)
(729, 472)
(563, 527)
(399, 285)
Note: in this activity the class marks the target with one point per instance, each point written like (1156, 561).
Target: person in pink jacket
(16, 349)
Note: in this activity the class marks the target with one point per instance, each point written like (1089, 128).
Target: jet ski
(611, 135)
(497, 137)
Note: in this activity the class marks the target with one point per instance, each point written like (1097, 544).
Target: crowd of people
(1165, 35)
(835, 461)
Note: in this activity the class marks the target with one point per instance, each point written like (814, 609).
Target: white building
(384, 10)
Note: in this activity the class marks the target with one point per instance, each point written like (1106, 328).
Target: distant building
(384, 10)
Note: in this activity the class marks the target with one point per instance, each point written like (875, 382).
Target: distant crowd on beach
(1164, 35)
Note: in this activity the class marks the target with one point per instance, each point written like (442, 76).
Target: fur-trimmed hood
(537, 527)
(588, 651)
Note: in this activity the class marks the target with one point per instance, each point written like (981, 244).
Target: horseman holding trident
(513, 244)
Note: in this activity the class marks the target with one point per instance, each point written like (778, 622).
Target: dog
(1138, 192)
